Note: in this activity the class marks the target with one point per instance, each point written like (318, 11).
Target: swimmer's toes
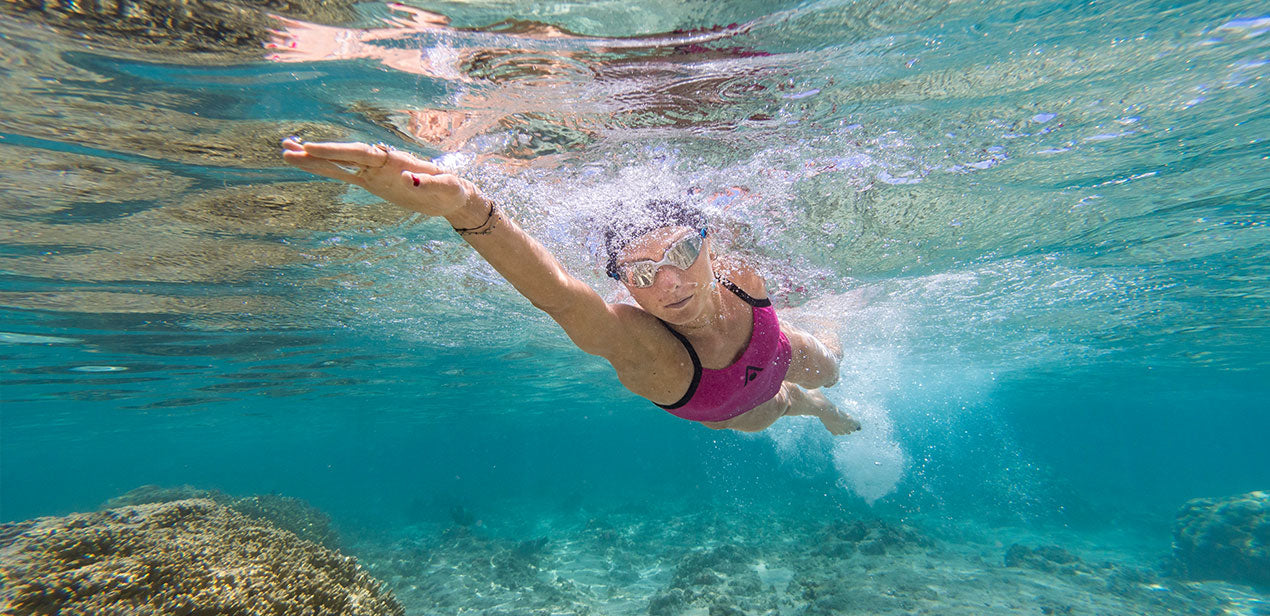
(840, 423)
(849, 424)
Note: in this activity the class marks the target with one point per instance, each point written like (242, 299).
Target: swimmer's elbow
(590, 323)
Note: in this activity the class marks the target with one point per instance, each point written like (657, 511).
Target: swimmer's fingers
(317, 166)
(393, 175)
(358, 154)
(370, 156)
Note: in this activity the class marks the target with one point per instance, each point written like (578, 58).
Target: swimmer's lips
(680, 304)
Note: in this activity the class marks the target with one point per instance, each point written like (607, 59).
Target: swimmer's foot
(836, 420)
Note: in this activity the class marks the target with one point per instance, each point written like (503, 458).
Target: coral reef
(181, 557)
(37, 181)
(149, 493)
(285, 512)
(280, 207)
(290, 514)
(1224, 538)
(187, 241)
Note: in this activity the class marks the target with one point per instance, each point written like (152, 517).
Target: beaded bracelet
(479, 229)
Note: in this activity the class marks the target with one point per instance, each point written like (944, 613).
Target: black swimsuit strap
(696, 369)
(745, 297)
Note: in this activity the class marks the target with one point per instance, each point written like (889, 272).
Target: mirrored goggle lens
(681, 255)
(684, 253)
(641, 274)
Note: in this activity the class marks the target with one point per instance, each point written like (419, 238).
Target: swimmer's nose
(670, 276)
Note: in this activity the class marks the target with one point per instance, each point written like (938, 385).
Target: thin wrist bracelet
(477, 229)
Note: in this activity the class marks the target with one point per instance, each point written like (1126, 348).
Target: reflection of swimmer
(704, 342)
(726, 198)
(562, 99)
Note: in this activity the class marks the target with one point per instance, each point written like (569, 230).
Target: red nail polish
(416, 179)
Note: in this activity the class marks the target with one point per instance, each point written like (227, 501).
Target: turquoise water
(1040, 229)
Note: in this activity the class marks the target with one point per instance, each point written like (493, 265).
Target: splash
(871, 462)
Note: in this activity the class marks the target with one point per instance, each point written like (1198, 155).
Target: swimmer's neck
(707, 325)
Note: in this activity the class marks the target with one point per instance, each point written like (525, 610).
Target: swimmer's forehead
(652, 245)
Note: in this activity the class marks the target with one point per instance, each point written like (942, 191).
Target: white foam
(802, 444)
(870, 462)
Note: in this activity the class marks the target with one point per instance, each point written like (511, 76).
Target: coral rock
(1224, 538)
(285, 512)
(181, 557)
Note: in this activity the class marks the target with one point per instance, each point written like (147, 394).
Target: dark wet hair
(633, 222)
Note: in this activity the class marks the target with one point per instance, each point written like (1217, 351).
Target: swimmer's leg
(826, 333)
(760, 417)
(813, 362)
(815, 404)
(792, 400)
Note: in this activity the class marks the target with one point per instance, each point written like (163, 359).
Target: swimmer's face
(677, 295)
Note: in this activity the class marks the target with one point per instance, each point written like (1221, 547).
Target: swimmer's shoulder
(645, 333)
(655, 364)
(742, 274)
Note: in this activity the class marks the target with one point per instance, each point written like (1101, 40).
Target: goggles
(682, 254)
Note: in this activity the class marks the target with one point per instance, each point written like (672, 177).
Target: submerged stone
(843, 538)
(1049, 558)
(702, 567)
(720, 580)
(1224, 538)
(671, 602)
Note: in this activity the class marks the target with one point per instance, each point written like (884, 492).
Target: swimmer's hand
(395, 176)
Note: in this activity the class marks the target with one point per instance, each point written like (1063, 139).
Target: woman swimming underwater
(704, 342)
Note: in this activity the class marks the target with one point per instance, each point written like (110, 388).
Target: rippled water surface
(1041, 229)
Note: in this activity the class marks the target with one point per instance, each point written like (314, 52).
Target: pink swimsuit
(754, 378)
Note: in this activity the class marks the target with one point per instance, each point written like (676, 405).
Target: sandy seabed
(708, 564)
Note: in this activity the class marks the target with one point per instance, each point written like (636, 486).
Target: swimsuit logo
(751, 373)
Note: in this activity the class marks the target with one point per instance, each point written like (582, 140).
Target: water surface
(1040, 227)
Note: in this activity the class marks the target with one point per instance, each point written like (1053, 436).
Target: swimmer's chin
(685, 313)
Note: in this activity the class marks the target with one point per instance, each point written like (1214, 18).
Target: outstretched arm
(420, 186)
